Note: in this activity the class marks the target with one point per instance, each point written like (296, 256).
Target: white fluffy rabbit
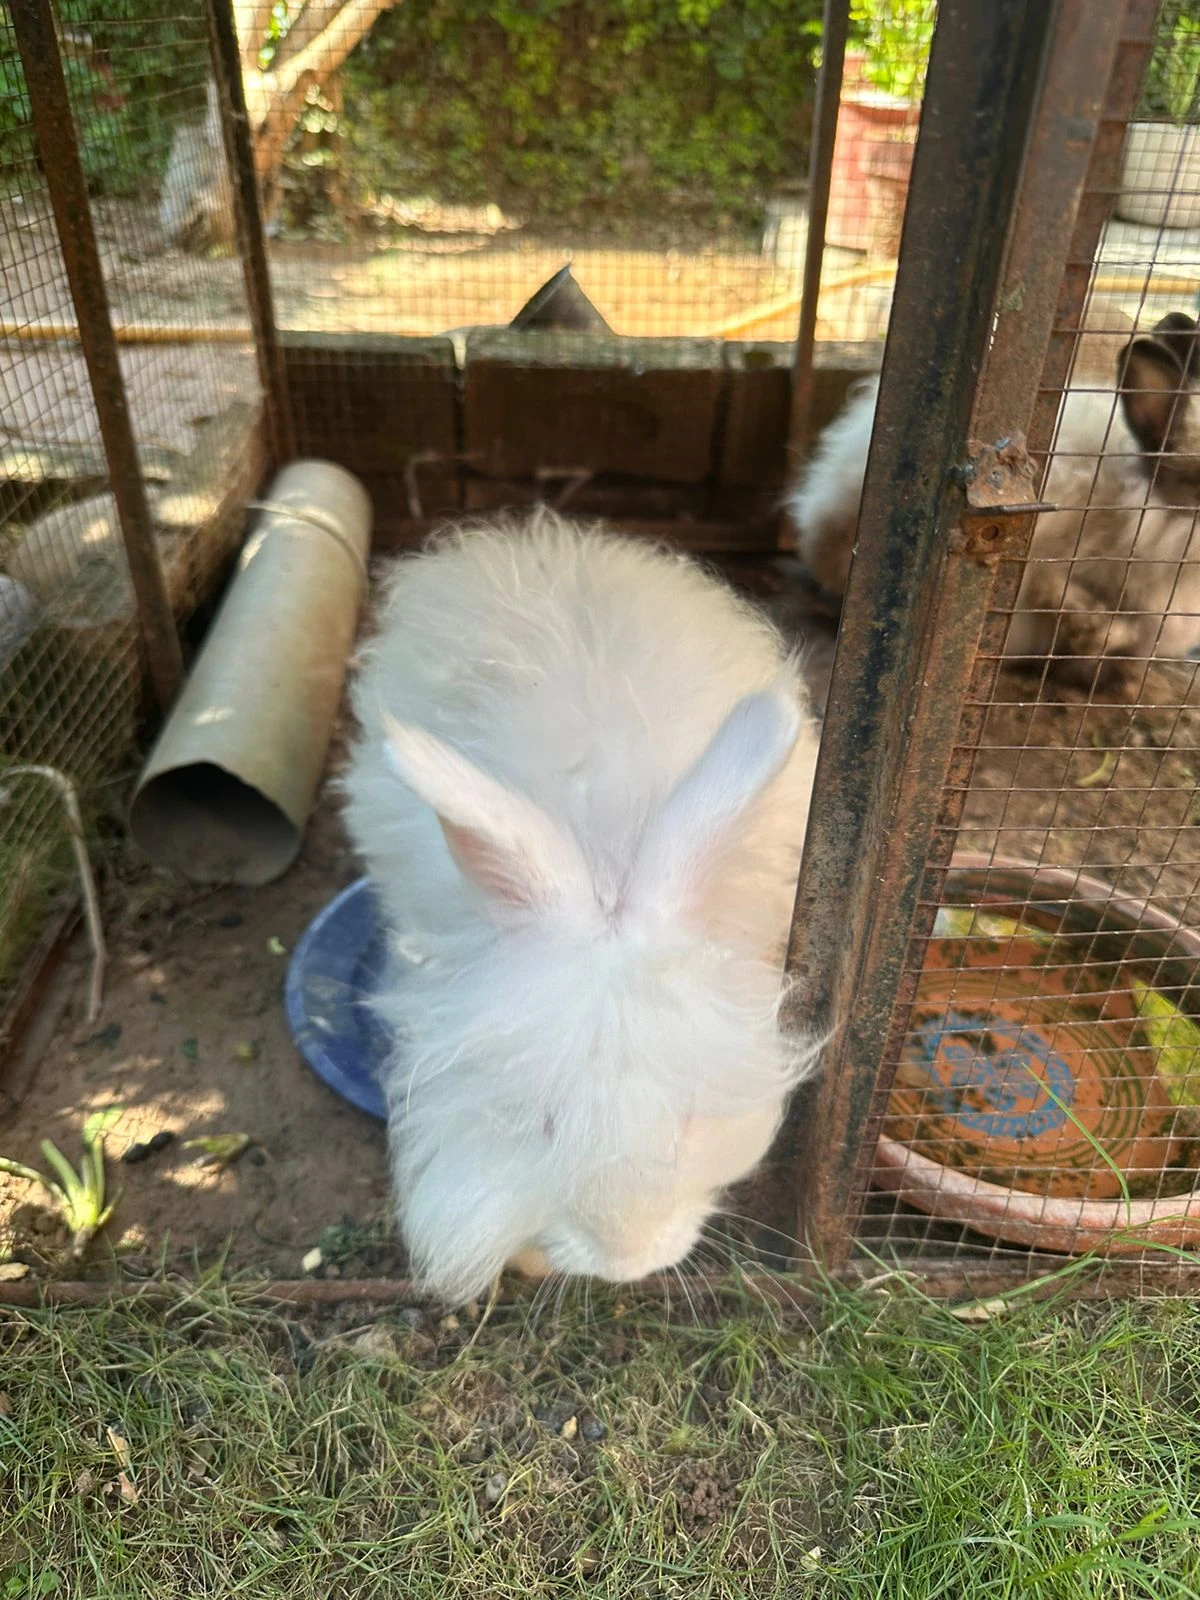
(581, 789)
(1121, 579)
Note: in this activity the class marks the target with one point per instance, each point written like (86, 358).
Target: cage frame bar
(66, 184)
(251, 238)
(921, 581)
(835, 28)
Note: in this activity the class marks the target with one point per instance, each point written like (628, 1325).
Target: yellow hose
(860, 277)
(1146, 283)
(132, 333)
(1111, 283)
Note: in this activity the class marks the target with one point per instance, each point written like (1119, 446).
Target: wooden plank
(378, 404)
(754, 439)
(697, 517)
(22, 1003)
(644, 408)
(202, 514)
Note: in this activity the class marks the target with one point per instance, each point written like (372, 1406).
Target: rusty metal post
(834, 29)
(239, 153)
(938, 508)
(58, 146)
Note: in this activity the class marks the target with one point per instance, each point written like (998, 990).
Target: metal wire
(70, 660)
(1053, 1048)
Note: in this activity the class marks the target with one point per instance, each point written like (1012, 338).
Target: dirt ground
(192, 1041)
(416, 282)
(1108, 787)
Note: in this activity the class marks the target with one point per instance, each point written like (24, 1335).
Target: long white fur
(581, 788)
(1119, 579)
(823, 503)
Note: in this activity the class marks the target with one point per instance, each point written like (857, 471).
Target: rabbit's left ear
(500, 841)
(685, 838)
(1154, 381)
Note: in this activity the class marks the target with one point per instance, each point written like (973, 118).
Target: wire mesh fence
(878, 117)
(68, 658)
(1046, 1098)
(667, 164)
(69, 654)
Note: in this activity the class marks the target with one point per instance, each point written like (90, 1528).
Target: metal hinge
(999, 483)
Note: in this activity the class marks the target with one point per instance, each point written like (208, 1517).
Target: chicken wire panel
(147, 114)
(139, 81)
(67, 646)
(136, 76)
(879, 112)
(1046, 1099)
(398, 211)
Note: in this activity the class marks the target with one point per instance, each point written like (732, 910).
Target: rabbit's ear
(1181, 335)
(684, 841)
(500, 841)
(1152, 376)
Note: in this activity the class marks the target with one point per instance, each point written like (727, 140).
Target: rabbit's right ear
(1181, 335)
(500, 841)
(685, 839)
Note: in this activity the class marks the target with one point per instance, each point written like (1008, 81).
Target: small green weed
(79, 1197)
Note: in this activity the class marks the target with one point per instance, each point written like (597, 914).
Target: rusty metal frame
(834, 29)
(1014, 107)
(252, 248)
(58, 146)
(1074, 170)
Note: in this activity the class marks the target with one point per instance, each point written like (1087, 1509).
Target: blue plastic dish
(335, 972)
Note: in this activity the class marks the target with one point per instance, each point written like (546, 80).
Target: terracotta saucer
(1048, 1088)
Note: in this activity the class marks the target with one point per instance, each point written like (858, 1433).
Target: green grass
(880, 1447)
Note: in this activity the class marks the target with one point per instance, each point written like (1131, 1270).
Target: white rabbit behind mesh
(580, 789)
(823, 503)
(1113, 574)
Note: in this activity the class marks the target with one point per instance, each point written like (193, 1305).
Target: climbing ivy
(134, 69)
(587, 113)
(569, 111)
(1171, 87)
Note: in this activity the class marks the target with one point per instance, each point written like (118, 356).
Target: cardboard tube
(228, 788)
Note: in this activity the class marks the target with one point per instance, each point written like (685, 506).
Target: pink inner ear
(482, 862)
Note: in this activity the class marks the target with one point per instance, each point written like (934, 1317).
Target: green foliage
(572, 111)
(134, 70)
(1171, 87)
(896, 36)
